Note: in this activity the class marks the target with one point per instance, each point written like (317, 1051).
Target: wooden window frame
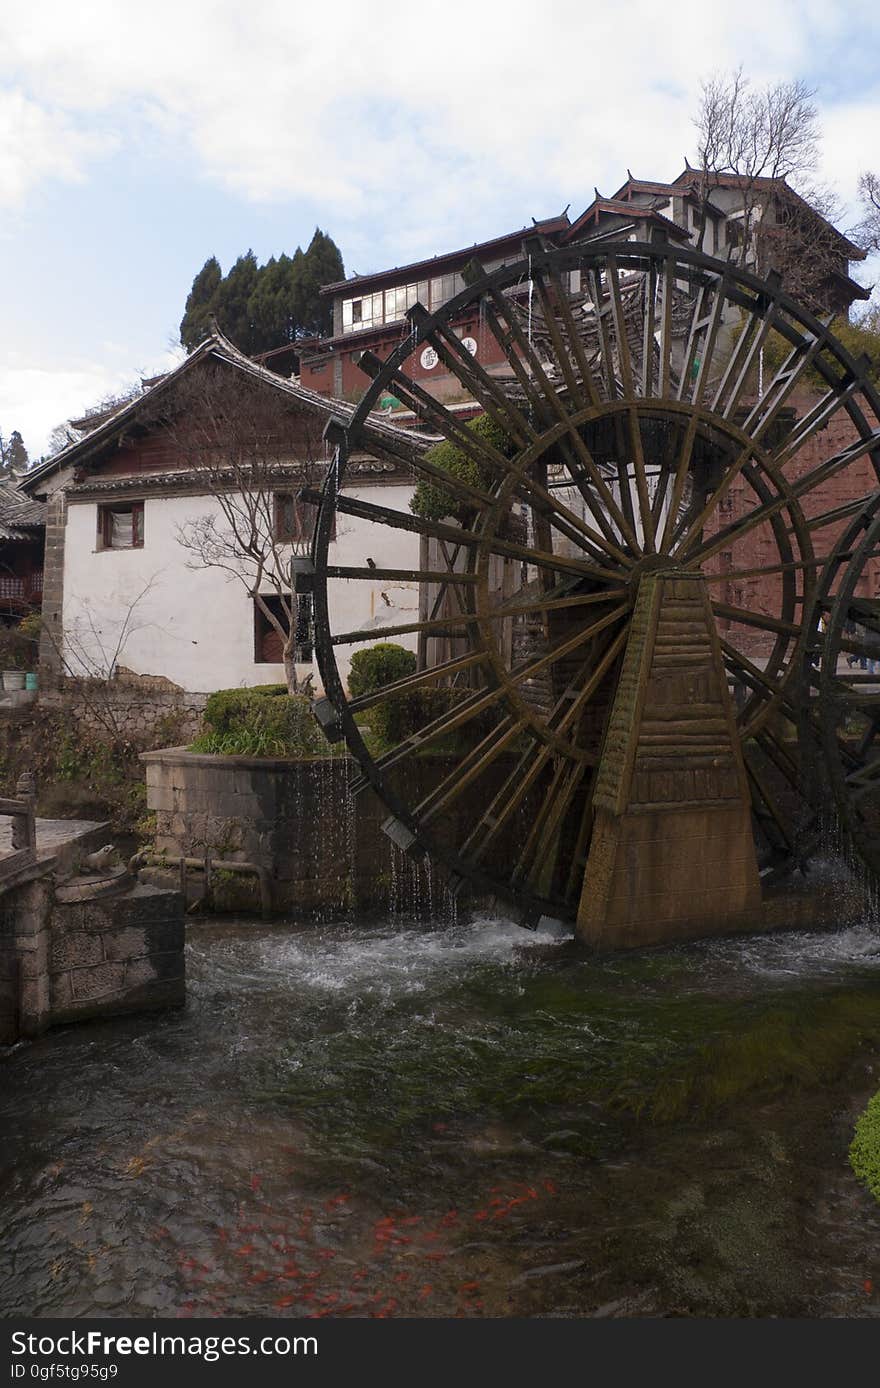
(106, 512)
(301, 532)
(262, 625)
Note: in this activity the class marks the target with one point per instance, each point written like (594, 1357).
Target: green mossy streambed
(400, 1120)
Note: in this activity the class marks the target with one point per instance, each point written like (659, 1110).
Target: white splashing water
(389, 960)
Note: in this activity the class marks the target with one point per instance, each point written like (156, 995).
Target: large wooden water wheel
(620, 608)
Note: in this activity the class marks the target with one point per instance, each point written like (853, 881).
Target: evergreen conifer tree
(322, 264)
(13, 455)
(16, 453)
(201, 303)
(233, 309)
(261, 307)
(273, 303)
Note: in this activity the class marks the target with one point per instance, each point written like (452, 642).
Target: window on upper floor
(121, 525)
(295, 520)
(390, 305)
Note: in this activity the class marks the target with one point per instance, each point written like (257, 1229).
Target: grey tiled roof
(20, 516)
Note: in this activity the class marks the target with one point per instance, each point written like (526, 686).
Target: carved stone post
(24, 834)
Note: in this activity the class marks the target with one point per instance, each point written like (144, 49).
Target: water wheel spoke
(542, 397)
(455, 534)
(551, 295)
(665, 385)
(819, 417)
(764, 687)
(761, 620)
(457, 717)
(563, 519)
(373, 572)
(761, 570)
(744, 358)
(673, 525)
(624, 358)
(737, 531)
(773, 747)
(768, 812)
(574, 336)
(705, 327)
(538, 859)
(506, 800)
(529, 669)
(603, 503)
(470, 769)
(549, 603)
(693, 526)
(837, 514)
(533, 761)
(484, 388)
(438, 626)
(864, 782)
(765, 411)
(425, 406)
(419, 678)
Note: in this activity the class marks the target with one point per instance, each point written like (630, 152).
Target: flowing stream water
(454, 1120)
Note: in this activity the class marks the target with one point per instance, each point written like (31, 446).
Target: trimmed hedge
(377, 666)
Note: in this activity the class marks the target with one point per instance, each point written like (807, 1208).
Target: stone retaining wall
(130, 713)
(323, 851)
(115, 954)
(63, 961)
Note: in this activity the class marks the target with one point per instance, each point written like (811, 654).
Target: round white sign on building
(470, 344)
(429, 359)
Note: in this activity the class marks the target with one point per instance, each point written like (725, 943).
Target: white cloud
(355, 110)
(35, 397)
(38, 143)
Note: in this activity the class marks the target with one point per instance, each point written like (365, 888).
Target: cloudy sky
(138, 139)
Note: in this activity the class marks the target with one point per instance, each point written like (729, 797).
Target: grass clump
(264, 721)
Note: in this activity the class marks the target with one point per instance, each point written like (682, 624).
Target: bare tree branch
(252, 451)
(762, 144)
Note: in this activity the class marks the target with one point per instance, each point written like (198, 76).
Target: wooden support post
(672, 853)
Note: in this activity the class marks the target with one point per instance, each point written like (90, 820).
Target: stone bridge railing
(24, 836)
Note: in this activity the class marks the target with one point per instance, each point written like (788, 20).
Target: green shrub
(864, 1154)
(18, 646)
(432, 499)
(262, 722)
(401, 715)
(378, 665)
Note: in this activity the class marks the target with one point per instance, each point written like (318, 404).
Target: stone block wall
(115, 954)
(294, 818)
(140, 714)
(24, 954)
(323, 850)
(68, 961)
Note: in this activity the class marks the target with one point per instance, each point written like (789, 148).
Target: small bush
(261, 722)
(864, 1154)
(18, 646)
(401, 715)
(378, 665)
(431, 499)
